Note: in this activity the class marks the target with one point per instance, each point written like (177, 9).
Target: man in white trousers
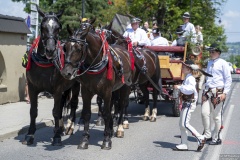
(214, 95)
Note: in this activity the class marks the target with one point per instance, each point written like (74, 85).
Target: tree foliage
(167, 14)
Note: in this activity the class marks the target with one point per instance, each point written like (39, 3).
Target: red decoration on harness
(130, 53)
(107, 51)
(34, 45)
(221, 127)
(61, 55)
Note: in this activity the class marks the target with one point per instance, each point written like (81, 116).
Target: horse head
(75, 52)
(50, 28)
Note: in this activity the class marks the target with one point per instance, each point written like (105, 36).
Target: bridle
(45, 38)
(83, 42)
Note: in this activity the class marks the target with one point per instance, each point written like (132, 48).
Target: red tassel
(35, 43)
(130, 53)
(61, 55)
(221, 127)
(123, 81)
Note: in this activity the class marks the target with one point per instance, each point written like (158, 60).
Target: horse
(101, 70)
(43, 74)
(147, 73)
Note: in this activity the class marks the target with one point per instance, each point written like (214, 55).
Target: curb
(45, 123)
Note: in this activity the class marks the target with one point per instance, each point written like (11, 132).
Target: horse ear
(109, 26)
(69, 30)
(59, 14)
(92, 20)
(100, 25)
(40, 12)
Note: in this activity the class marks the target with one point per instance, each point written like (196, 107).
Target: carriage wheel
(176, 103)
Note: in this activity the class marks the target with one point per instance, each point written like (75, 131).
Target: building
(13, 42)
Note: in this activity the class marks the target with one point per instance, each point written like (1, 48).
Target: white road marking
(214, 153)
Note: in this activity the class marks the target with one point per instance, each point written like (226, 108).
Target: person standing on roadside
(214, 94)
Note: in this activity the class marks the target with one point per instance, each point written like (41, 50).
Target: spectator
(24, 64)
(146, 25)
(199, 35)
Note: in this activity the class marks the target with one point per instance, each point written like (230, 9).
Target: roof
(13, 24)
(120, 23)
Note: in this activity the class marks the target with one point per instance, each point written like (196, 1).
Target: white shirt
(174, 43)
(159, 41)
(189, 31)
(139, 36)
(219, 69)
(188, 86)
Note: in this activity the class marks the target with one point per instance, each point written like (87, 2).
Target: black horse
(147, 67)
(101, 70)
(43, 75)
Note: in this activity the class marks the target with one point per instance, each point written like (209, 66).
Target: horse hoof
(100, 122)
(28, 140)
(126, 126)
(106, 145)
(83, 145)
(69, 131)
(145, 118)
(57, 142)
(120, 134)
(153, 119)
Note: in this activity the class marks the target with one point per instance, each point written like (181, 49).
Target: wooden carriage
(171, 72)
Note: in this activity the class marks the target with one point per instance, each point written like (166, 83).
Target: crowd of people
(184, 31)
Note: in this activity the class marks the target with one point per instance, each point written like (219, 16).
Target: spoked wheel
(176, 103)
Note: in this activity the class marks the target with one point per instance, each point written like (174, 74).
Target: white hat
(186, 15)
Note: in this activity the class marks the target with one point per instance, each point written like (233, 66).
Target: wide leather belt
(187, 98)
(213, 94)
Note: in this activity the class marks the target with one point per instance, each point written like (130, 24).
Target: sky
(230, 16)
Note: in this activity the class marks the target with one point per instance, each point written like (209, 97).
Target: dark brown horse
(101, 70)
(147, 71)
(43, 75)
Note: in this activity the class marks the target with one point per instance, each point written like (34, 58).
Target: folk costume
(189, 96)
(219, 84)
(138, 35)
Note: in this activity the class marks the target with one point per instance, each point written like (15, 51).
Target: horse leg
(57, 114)
(100, 121)
(29, 138)
(108, 131)
(63, 106)
(145, 91)
(86, 116)
(123, 103)
(115, 103)
(154, 110)
(74, 105)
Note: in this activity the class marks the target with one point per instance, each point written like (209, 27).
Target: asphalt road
(143, 140)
